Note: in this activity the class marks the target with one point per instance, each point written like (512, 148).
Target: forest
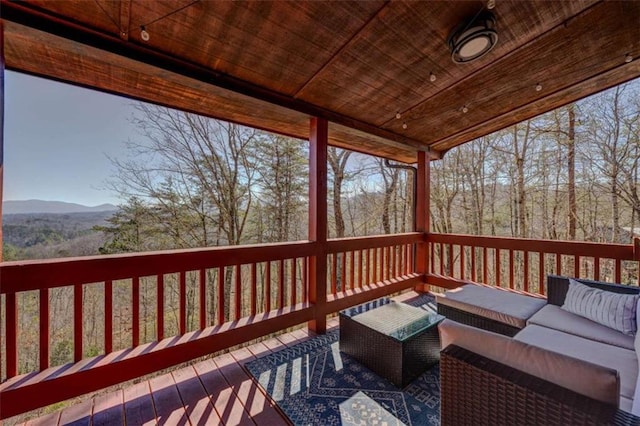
(188, 181)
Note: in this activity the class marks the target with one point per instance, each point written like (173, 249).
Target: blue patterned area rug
(313, 383)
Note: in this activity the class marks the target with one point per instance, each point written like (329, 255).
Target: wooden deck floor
(216, 391)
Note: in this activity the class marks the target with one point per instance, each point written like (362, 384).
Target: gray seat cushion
(499, 305)
(552, 316)
(620, 359)
(586, 378)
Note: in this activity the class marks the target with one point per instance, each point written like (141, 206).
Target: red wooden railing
(238, 294)
(523, 264)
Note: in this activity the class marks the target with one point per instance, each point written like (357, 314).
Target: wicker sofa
(559, 369)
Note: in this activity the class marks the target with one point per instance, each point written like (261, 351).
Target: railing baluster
(526, 272)
(77, 322)
(267, 287)
(407, 258)
(387, 263)
(542, 274)
(135, 311)
(221, 295)
(44, 328)
(367, 269)
(576, 266)
(596, 268)
(441, 259)
(498, 278)
(558, 264)
(374, 265)
(334, 273)
(281, 284)
(108, 316)
(360, 268)
(618, 271)
(11, 336)
(511, 270)
(203, 299)
(450, 260)
(294, 283)
(343, 272)
(238, 291)
(485, 268)
(182, 294)
(473, 263)
(254, 288)
(393, 261)
(305, 279)
(351, 271)
(462, 254)
(160, 306)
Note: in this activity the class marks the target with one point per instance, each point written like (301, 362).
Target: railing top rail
(338, 245)
(571, 248)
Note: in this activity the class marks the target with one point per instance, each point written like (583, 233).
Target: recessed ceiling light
(474, 39)
(628, 58)
(538, 87)
(432, 77)
(404, 126)
(144, 35)
(465, 109)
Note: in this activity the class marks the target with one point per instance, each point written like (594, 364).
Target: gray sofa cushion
(499, 305)
(614, 310)
(623, 360)
(595, 381)
(552, 316)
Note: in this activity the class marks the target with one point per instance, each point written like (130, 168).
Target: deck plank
(199, 407)
(138, 405)
(77, 415)
(226, 402)
(167, 401)
(255, 402)
(109, 409)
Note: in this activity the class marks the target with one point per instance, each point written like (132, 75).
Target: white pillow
(615, 310)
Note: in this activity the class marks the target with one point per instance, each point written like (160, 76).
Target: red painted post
(318, 138)
(498, 280)
(135, 312)
(462, 255)
(351, 270)
(203, 299)
(160, 306)
(77, 322)
(44, 328)
(422, 213)
(473, 263)
(511, 270)
(367, 267)
(343, 272)
(108, 316)
(485, 265)
(596, 268)
(375, 265)
(541, 273)
(182, 310)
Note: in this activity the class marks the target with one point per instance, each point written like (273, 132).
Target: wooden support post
(422, 215)
(318, 138)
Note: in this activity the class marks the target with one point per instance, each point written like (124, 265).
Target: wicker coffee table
(397, 341)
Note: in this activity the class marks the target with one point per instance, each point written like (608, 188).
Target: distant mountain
(55, 207)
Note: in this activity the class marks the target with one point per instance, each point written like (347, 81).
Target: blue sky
(57, 138)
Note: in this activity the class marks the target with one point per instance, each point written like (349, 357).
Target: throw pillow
(615, 310)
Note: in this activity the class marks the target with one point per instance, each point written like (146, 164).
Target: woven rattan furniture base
(479, 391)
(398, 360)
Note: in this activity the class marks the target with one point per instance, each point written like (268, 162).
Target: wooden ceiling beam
(27, 16)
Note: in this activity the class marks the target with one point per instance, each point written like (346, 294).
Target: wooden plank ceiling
(272, 64)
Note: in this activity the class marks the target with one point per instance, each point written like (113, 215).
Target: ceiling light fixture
(432, 77)
(538, 87)
(404, 126)
(144, 35)
(491, 4)
(628, 58)
(398, 115)
(465, 109)
(474, 39)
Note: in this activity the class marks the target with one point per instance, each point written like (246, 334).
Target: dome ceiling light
(473, 40)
